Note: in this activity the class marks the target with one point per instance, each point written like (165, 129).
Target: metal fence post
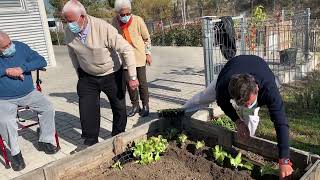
(243, 38)
(306, 34)
(207, 43)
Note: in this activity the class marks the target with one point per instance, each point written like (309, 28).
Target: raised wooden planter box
(73, 166)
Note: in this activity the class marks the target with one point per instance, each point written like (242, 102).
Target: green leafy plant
(171, 133)
(259, 15)
(178, 36)
(225, 122)
(200, 145)
(148, 151)
(236, 162)
(248, 166)
(269, 169)
(117, 165)
(218, 154)
(182, 138)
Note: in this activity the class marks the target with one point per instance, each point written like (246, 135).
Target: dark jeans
(89, 88)
(143, 87)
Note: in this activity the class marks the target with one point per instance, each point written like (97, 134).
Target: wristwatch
(133, 78)
(285, 161)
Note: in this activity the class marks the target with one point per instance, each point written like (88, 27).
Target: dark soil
(175, 164)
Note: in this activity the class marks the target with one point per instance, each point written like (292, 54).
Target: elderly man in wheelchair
(17, 61)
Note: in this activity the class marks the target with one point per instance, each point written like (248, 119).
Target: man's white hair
(74, 6)
(121, 4)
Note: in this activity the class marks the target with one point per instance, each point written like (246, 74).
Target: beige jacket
(99, 55)
(140, 38)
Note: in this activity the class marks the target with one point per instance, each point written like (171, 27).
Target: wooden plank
(100, 153)
(36, 174)
(269, 149)
(85, 160)
(313, 173)
(221, 135)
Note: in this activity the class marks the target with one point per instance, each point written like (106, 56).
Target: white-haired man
(17, 61)
(94, 47)
(135, 31)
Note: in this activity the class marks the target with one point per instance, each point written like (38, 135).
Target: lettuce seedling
(149, 150)
(117, 165)
(182, 138)
(236, 162)
(200, 145)
(218, 154)
(248, 166)
(171, 133)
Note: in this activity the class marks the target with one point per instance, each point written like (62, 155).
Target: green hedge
(177, 36)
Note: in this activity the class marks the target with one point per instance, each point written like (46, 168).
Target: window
(12, 6)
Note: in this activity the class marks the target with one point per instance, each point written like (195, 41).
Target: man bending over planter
(244, 85)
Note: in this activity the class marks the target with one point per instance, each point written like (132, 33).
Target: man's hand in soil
(242, 130)
(285, 171)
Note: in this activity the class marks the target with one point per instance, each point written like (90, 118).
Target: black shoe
(48, 148)
(17, 162)
(145, 111)
(134, 109)
(90, 141)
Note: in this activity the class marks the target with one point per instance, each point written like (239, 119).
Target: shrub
(307, 95)
(55, 36)
(178, 36)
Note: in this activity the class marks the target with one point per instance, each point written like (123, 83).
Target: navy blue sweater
(28, 60)
(268, 94)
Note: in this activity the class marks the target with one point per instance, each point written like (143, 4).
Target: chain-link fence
(290, 45)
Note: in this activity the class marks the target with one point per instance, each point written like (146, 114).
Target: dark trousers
(143, 87)
(89, 88)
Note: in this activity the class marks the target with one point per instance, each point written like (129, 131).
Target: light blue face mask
(10, 50)
(74, 26)
(125, 19)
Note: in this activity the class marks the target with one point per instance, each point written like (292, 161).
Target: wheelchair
(23, 126)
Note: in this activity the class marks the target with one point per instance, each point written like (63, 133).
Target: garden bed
(175, 163)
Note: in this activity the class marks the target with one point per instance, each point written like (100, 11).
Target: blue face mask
(10, 50)
(74, 26)
(125, 19)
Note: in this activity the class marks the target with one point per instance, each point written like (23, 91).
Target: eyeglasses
(127, 14)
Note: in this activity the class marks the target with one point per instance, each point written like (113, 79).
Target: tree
(142, 8)
(153, 9)
(95, 8)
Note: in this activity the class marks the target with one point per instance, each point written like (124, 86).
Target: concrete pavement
(175, 75)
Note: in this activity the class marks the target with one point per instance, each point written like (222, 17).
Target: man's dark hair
(241, 86)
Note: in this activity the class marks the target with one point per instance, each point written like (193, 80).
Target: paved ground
(176, 74)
